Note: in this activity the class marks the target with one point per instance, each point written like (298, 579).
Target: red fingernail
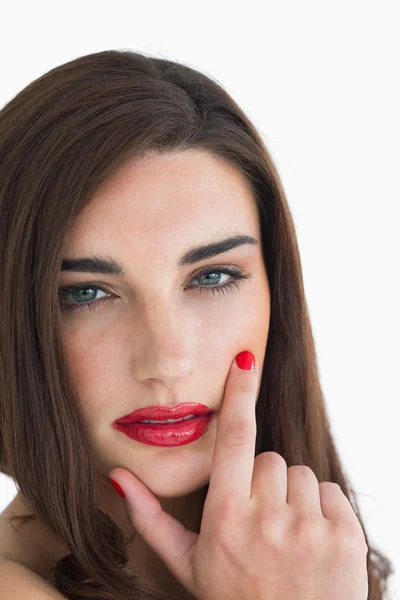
(246, 361)
(117, 487)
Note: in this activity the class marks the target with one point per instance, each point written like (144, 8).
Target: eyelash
(236, 273)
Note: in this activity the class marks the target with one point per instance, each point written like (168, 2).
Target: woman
(145, 241)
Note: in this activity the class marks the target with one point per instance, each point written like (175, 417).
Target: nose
(164, 357)
(171, 372)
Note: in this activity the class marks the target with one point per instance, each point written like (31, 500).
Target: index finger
(233, 459)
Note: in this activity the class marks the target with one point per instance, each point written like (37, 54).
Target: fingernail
(246, 361)
(117, 487)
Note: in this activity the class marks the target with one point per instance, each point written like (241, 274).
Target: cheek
(230, 328)
(221, 341)
(95, 362)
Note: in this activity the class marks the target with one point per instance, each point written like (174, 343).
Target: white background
(320, 80)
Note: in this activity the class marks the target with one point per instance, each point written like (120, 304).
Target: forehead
(190, 195)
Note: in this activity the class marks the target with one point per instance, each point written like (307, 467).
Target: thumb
(173, 543)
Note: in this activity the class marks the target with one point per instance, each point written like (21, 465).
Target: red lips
(163, 413)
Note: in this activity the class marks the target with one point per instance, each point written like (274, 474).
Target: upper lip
(162, 413)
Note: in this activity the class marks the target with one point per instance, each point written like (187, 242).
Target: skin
(156, 342)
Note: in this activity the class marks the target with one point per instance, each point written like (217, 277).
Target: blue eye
(87, 289)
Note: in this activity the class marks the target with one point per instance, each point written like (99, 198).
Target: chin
(165, 488)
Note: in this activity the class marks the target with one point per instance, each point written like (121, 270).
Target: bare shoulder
(28, 545)
(18, 581)
(26, 556)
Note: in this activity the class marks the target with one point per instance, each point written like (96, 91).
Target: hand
(268, 532)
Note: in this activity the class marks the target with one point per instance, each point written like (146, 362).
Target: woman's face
(164, 338)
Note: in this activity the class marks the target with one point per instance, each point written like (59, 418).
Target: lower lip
(170, 434)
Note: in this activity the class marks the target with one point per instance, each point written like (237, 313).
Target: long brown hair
(60, 138)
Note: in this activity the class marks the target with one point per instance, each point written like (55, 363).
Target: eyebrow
(110, 266)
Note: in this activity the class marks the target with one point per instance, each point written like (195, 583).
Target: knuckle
(272, 459)
(223, 510)
(351, 543)
(229, 542)
(309, 535)
(228, 510)
(227, 526)
(140, 527)
(349, 539)
(330, 485)
(238, 432)
(241, 386)
(271, 531)
(301, 470)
